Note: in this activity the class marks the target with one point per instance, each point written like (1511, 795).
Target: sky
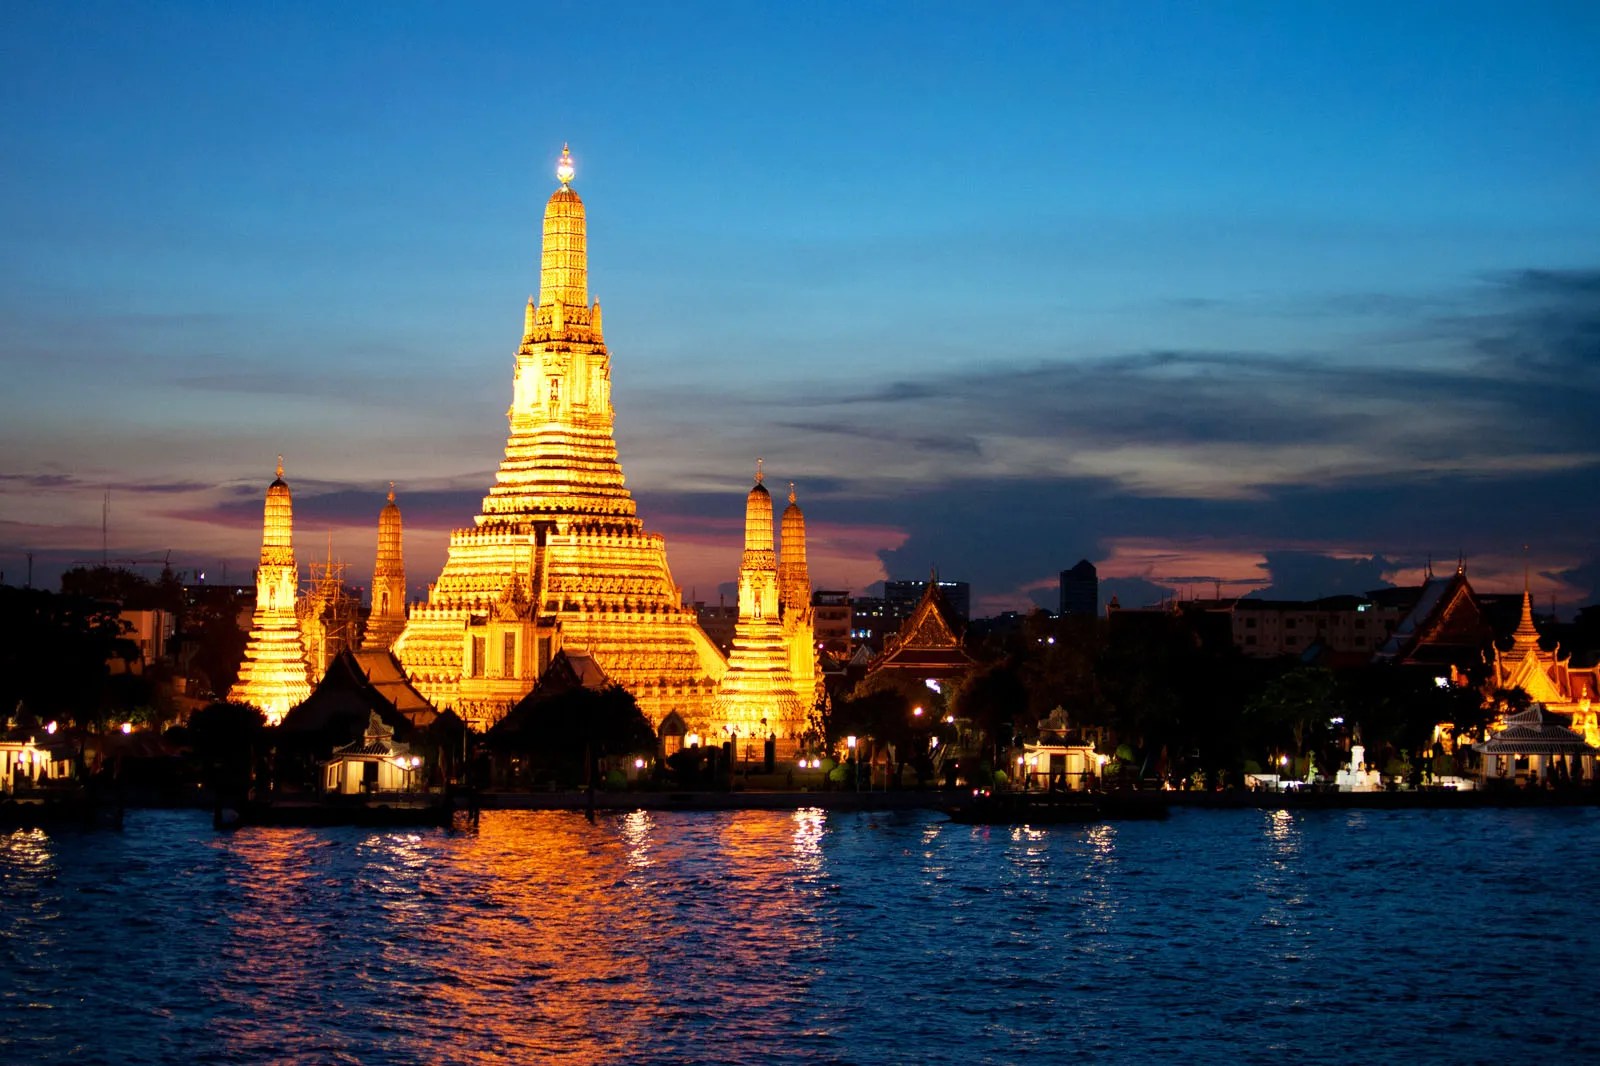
(1283, 299)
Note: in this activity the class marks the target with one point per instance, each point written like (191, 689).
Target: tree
(226, 739)
(54, 651)
(1295, 709)
(567, 732)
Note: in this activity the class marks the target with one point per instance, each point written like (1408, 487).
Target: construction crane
(151, 560)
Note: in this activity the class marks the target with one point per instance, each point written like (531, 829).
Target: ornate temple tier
(273, 675)
(387, 619)
(558, 556)
(758, 696)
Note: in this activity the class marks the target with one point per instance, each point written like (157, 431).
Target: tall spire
(564, 262)
(388, 616)
(1527, 634)
(273, 674)
(794, 578)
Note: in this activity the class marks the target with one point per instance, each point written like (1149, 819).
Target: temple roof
(928, 642)
(344, 702)
(1535, 731)
(384, 673)
(568, 670)
(1445, 626)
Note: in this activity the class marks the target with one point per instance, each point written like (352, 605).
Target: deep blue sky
(1290, 293)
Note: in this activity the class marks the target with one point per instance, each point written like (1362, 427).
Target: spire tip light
(564, 169)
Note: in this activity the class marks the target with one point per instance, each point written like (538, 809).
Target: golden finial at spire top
(280, 466)
(759, 474)
(391, 492)
(564, 169)
(791, 492)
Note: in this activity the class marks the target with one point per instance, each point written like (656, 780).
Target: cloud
(1305, 575)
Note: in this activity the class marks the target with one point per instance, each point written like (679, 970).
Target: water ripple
(802, 936)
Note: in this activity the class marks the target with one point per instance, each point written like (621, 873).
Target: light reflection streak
(1099, 899)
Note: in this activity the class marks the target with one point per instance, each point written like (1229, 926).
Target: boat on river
(1058, 808)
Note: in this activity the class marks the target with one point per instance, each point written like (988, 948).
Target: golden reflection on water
(505, 939)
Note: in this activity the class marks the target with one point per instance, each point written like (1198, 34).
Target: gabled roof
(1443, 627)
(343, 702)
(567, 670)
(384, 673)
(928, 642)
(1535, 731)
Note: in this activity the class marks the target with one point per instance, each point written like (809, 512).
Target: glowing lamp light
(638, 764)
(933, 742)
(127, 727)
(850, 742)
(916, 712)
(691, 740)
(50, 728)
(1283, 760)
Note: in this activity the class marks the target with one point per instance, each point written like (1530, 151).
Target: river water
(773, 937)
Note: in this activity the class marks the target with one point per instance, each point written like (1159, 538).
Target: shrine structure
(558, 556)
(273, 674)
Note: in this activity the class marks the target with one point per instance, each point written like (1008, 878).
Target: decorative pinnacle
(759, 475)
(391, 492)
(280, 466)
(791, 492)
(564, 169)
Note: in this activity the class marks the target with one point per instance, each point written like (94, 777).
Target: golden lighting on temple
(388, 617)
(558, 556)
(273, 674)
(767, 690)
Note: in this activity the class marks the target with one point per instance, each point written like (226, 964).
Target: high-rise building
(1080, 591)
(387, 618)
(558, 556)
(900, 599)
(273, 674)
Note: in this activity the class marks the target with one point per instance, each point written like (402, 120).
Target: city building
(151, 629)
(558, 556)
(273, 674)
(902, 597)
(718, 620)
(1339, 630)
(1080, 591)
(831, 613)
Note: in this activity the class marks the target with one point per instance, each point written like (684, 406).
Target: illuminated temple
(1548, 677)
(273, 674)
(388, 617)
(558, 557)
(760, 695)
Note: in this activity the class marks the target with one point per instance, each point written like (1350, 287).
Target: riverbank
(935, 799)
